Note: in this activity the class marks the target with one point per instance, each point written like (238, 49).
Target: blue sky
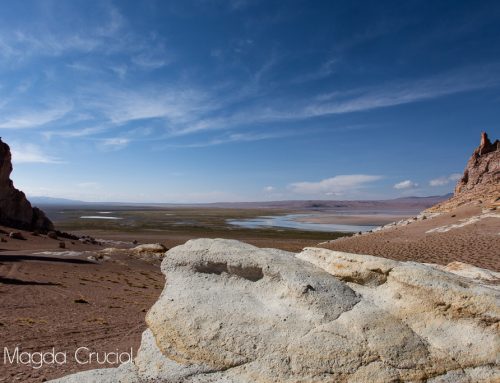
(211, 100)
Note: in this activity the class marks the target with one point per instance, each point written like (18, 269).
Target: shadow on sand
(20, 258)
(12, 281)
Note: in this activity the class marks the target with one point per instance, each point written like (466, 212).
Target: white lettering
(76, 355)
(129, 357)
(6, 355)
(82, 355)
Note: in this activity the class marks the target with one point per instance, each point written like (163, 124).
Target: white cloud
(326, 69)
(236, 137)
(150, 62)
(115, 143)
(445, 180)
(19, 45)
(345, 101)
(74, 133)
(269, 189)
(115, 22)
(29, 153)
(405, 185)
(188, 108)
(120, 70)
(78, 66)
(335, 185)
(178, 105)
(104, 36)
(404, 92)
(25, 119)
(22, 44)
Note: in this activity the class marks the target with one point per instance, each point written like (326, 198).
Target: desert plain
(99, 299)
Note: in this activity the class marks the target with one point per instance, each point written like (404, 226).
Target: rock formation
(15, 210)
(150, 252)
(231, 312)
(480, 182)
(483, 168)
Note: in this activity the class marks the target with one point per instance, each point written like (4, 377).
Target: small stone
(81, 300)
(16, 235)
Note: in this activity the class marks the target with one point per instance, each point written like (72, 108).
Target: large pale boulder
(231, 312)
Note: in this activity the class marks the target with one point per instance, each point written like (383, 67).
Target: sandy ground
(172, 240)
(66, 302)
(477, 244)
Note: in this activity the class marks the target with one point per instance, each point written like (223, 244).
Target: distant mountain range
(390, 204)
(394, 204)
(40, 200)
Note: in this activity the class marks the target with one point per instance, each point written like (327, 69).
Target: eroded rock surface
(151, 252)
(231, 312)
(15, 210)
(480, 182)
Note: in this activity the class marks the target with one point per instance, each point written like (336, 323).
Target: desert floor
(57, 298)
(64, 301)
(477, 243)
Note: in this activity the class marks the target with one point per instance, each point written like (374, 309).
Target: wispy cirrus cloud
(404, 92)
(19, 45)
(24, 118)
(349, 100)
(177, 104)
(187, 109)
(119, 70)
(337, 185)
(104, 36)
(75, 133)
(326, 69)
(150, 61)
(235, 138)
(114, 143)
(30, 153)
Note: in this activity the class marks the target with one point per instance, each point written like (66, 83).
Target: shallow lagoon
(289, 221)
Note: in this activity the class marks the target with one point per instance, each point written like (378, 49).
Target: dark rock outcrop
(480, 183)
(15, 209)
